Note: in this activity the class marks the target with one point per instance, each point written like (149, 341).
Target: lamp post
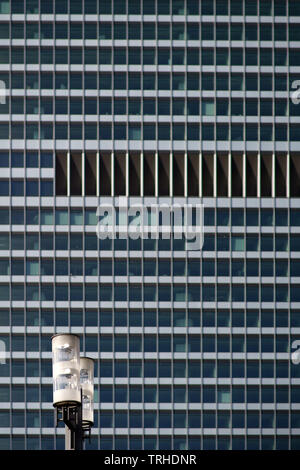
(73, 389)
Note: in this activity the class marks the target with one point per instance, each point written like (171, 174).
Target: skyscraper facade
(155, 102)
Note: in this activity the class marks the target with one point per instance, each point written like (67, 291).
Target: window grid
(244, 319)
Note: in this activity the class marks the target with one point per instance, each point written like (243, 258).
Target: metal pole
(78, 438)
(73, 438)
(73, 429)
(68, 438)
(78, 434)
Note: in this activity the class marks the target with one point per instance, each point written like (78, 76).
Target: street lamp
(66, 384)
(87, 387)
(73, 389)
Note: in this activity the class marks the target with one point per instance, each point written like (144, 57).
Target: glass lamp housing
(87, 387)
(66, 369)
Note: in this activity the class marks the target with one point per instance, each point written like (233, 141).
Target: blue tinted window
(4, 160)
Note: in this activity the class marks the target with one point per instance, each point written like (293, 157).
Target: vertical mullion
(200, 185)
(68, 174)
(82, 173)
(97, 174)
